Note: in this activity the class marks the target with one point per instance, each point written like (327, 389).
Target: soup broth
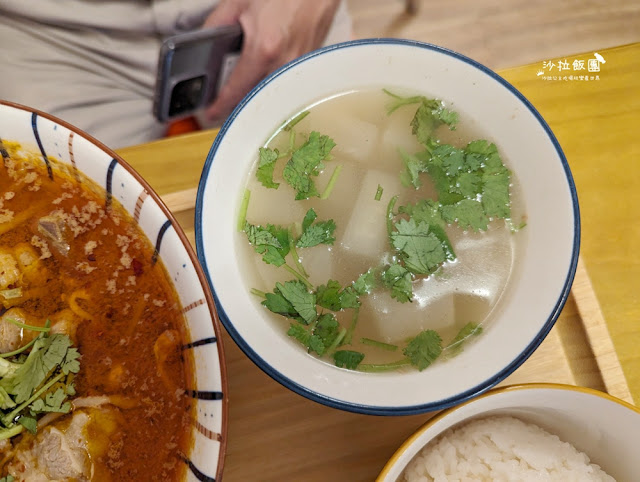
(367, 148)
(83, 267)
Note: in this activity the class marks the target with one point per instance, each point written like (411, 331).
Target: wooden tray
(277, 435)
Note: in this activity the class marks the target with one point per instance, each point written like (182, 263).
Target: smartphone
(192, 68)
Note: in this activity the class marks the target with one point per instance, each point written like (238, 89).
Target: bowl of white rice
(533, 432)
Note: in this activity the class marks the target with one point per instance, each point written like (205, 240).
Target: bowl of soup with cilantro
(110, 367)
(388, 227)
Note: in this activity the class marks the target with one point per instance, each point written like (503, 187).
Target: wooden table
(277, 435)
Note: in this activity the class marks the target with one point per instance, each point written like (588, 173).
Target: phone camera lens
(186, 95)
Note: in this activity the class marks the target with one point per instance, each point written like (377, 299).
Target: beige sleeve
(173, 16)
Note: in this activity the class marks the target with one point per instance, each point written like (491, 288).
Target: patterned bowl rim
(217, 327)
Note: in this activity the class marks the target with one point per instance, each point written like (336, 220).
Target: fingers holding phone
(275, 32)
(192, 68)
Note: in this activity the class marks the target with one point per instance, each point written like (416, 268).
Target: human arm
(275, 32)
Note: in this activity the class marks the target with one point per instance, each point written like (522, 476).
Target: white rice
(501, 448)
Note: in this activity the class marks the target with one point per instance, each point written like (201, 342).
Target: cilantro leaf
(308, 220)
(468, 213)
(266, 165)
(450, 158)
(7, 368)
(71, 363)
(327, 329)
(52, 402)
(430, 115)
(328, 296)
(30, 423)
(348, 359)
(398, 279)
(315, 344)
(5, 400)
(495, 196)
(334, 298)
(483, 154)
(428, 211)
(420, 249)
(439, 232)
(315, 234)
(303, 302)
(307, 161)
(365, 283)
(272, 242)
(425, 211)
(443, 184)
(311, 342)
(277, 303)
(424, 122)
(424, 349)
(27, 385)
(469, 184)
(46, 354)
(448, 117)
(411, 174)
(300, 333)
(349, 298)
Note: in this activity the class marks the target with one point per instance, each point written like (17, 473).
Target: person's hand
(275, 32)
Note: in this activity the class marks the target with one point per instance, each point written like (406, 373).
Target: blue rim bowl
(397, 53)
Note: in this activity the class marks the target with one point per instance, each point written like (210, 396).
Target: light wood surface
(503, 33)
(598, 336)
(277, 435)
(597, 124)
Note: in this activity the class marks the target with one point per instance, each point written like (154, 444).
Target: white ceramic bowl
(607, 429)
(535, 295)
(38, 132)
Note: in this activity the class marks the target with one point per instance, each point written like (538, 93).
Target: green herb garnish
(335, 298)
(314, 234)
(378, 344)
(424, 349)
(293, 122)
(468, 213)
(266, 165)
(472, 186)
(244, 206)
(430, 115)
(271, 242)
(293, 300)
(348, 359)
(420, 250)
(398, 279)
(307, 161)
(332, 182)
(26, 383)
(467, 331)
(378, 195)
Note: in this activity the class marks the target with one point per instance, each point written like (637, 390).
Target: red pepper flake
(91, 257)
(137, 267)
